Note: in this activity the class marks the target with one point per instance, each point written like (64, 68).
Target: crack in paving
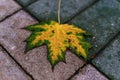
(19, 65)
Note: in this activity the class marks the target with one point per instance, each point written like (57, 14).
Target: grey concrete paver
(7, 7)
(25, 2)
(89, 73)
(9, 70)
(35, 61)
(109, 60)
(101, 21)
(46, 10)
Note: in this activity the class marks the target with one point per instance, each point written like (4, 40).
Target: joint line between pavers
(25, 5)
(10, 15)
(24, 8)
(81, 11)
(103, 48)
(100, 52)
(19, 65)
(77, 71)
(102, 73)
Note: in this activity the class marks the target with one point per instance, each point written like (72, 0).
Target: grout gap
(81, 11)
(90, 61)
(102, 73)
(25, 9)
(75, 15)
(103, 48)
(10, 15)
(76, 72)
(19, 65)
(25, 5)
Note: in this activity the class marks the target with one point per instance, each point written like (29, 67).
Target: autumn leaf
(58, 37)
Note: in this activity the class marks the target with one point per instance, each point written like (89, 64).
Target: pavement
(101, 18)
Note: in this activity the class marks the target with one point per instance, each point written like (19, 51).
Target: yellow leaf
(58, 37)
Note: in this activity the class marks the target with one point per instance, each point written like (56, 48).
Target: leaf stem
(59, 4)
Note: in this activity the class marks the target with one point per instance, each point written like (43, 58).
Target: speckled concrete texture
(89, 73)
(9, 70)
(35, 61)
(11, 28)
(109, 60)
(101, 21)
(46, 10)
(7, 7)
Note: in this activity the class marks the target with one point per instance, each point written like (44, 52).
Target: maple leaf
(58, 37)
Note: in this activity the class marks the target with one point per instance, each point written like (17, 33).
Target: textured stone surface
(109, 60)
(41, 68)
(11, 28)
(102, 21)
(89, 73)
(9, 70)
(46, 10)
(35, 61)
(7, 7)
(25, 2)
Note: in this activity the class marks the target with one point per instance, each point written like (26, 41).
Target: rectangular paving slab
(7, 7)
(35, 61)
(25, 2)
(102, 21)
(46, 10)
(9, 70)
(109, 60)
(89, 73)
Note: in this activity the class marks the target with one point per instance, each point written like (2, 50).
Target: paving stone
(9, 70)
(109, 60)
(102, 21)
(7, 7)
(89, 73)
(46, 10)
(25, 2)
(35, 61)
